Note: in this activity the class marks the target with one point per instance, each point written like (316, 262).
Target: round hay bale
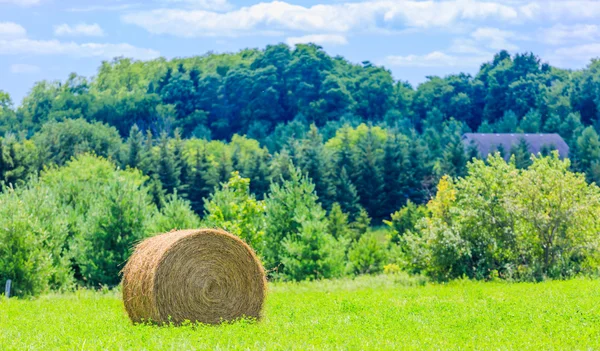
(203, 275)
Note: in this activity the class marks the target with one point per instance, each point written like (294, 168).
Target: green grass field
(375, 313)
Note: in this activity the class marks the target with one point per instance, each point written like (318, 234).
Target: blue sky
(48, 39)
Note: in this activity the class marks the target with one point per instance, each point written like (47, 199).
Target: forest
(300, 153)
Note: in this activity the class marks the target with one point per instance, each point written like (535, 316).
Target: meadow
(386, 312)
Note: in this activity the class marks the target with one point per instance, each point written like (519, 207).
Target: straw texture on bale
(203, 275)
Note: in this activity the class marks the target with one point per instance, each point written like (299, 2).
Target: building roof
(489, 143)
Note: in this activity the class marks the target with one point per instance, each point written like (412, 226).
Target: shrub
(33, 231)
(176, 213)
(405, 220)
(116, 221)
(233, 208)
(108, 212)
(513, 223)
(367, 255)
(298, 245)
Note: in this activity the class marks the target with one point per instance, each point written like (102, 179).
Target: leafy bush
(524, 224)
(368, 255)
(233, 208)
(109, 231)
(33, 231)
(108, 212)
(405, 220)
(176, 213)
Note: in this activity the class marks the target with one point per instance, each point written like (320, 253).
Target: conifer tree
(588, 153)
(347, 196)
(315, 165)
(168, 168)
(181, 164)
(370, 185)
(135, 148)
(203, 179)
(521, 154)
(393, 164)
(453, 161)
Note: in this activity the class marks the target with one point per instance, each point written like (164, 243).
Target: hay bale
(204, 275)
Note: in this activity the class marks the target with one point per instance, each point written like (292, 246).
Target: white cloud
(214, 5)
(437, 59)
(21, 68)
(581, 53)
(96, 8)
(81, 29)
(55, 47)
(321, 39)
(467, 46)
(21, 2)
(562, 9)
(338, 18)
(560, 34)
(10, 30)
(495, 38)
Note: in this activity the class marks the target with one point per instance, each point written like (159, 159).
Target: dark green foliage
(168, 166)
(521, 154)
(297, 243)
(346, 195)
(58, 142)
(369, 179)
(203, 179)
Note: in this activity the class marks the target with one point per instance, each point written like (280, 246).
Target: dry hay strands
(203, 275)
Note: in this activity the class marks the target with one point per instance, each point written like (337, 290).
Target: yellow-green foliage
(514, 223)
(354, 135)
(233, 208)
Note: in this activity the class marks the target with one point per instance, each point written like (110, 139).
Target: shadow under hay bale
(202, 275)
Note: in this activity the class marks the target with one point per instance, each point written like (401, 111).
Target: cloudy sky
(48, 39)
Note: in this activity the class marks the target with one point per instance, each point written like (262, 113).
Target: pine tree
(521, 154)
(259, 174)
(453, 161)
(224, 169)
(315, 165)
(347, 196)
(148, 161)
(168, 169)
(393, 163)
(588, 153)
(337, 222)
(417, 176)
(344, 157)
(370, 185)
(181, 164)
(203, 179)
(473, 151)
(280, 166)
(156, 191)
(135, 148)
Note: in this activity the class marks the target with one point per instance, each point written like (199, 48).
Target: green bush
(176, 213)
(298, 245)
(501, 221)
(405, 220)
(368, 255)
(108, 212)
(33, 231)
(233, 208)
(109, 231)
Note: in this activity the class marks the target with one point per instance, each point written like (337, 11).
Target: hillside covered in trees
(367, 141)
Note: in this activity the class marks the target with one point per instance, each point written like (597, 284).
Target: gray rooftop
(489, 143)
